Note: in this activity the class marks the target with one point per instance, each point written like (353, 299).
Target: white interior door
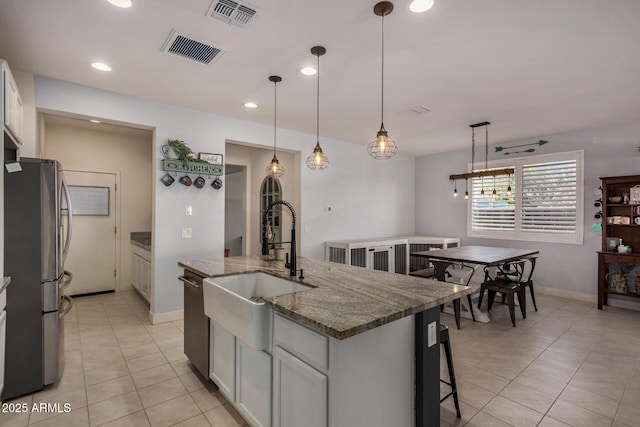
(92, 254)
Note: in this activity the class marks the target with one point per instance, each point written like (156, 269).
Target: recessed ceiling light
(419, 6)
(100, 66)
(95, 121)
(120, 3)
(309, 71)
(251, 105)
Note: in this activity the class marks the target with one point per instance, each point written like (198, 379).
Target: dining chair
(507, 281)
(442, 273)
(530, 265)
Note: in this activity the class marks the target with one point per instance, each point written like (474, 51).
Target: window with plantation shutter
(545, 203)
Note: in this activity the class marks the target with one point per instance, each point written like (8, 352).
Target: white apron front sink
(233, 302)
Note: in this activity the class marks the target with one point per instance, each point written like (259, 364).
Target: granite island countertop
(141, 239)
(343, 300)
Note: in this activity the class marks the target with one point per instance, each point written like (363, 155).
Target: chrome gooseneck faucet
(291, 264)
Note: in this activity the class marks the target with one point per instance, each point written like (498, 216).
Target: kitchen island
(381, 329)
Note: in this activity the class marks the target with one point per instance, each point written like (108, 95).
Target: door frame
(118, 249)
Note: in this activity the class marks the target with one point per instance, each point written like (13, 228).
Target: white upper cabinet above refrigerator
(13, 107)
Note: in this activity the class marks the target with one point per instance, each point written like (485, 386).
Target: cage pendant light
(318, 160)
(275, 169)
(382, 147)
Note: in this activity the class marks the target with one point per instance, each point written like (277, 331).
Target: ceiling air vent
(232, 12)
(192, 49)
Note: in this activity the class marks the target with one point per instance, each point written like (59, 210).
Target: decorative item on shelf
(625, 220)
(180, 159)
(530, 150)
(274, 169)
(615, 199)
(186, 180)
(214, 159)
(318, 160)
(383, 147)
(622, 248)
(177, 150)
(612, 244)
(635, 195)
(625, 197)
(485, 172)
(637, 283)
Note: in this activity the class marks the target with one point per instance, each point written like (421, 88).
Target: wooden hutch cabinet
(619, 222)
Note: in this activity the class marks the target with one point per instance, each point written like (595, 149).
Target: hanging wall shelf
(198, 168)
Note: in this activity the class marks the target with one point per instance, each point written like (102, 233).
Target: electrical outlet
(188, 210)
(431, 334)
(187, 233)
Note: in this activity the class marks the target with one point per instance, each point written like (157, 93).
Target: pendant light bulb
(318, 160)
(494, 194)
(466, 189)
(455, 189)
(383, 147)
(275, 169)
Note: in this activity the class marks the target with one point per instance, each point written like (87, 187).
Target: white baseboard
(169, 316)
(580, 296)
(612, 301)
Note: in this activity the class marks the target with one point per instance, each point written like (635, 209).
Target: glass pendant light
(275, 169)
(382, 147)
(318, 160)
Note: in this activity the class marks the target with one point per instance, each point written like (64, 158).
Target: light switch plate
(187, 233)
(431, 334)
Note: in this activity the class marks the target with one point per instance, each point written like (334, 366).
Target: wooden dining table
(473, 255)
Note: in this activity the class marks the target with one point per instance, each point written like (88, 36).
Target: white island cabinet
(310, 379)
(242, 374)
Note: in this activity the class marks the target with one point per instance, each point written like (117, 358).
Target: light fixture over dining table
(480, 173)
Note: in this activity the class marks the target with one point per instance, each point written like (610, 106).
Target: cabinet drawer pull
(186, 281)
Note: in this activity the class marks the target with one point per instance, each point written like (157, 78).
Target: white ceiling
(531, 68)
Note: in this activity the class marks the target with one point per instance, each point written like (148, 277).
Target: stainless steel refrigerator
(37, 234)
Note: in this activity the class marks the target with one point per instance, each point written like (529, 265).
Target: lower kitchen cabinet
(242, 374)
(253, 384)
(299, 392)
(222, 360)
(141, 271)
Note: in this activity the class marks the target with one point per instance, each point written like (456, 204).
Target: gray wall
(608, 151)
(369, 197)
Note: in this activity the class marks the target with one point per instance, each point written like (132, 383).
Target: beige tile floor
(567, 364)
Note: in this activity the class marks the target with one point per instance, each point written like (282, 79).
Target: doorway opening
(235, 206)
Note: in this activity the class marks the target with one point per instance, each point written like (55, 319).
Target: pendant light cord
(318, 104)
(382, 103)
(275, 115)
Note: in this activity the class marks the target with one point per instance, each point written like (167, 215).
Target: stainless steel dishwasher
(196, 324)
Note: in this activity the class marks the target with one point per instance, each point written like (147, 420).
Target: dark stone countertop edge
(416, 302)
(141, 239)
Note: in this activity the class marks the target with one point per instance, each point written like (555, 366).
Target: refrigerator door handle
(68, 309)
(67, 195)
(66, 279)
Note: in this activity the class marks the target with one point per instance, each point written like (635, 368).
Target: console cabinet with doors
(619, 273)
